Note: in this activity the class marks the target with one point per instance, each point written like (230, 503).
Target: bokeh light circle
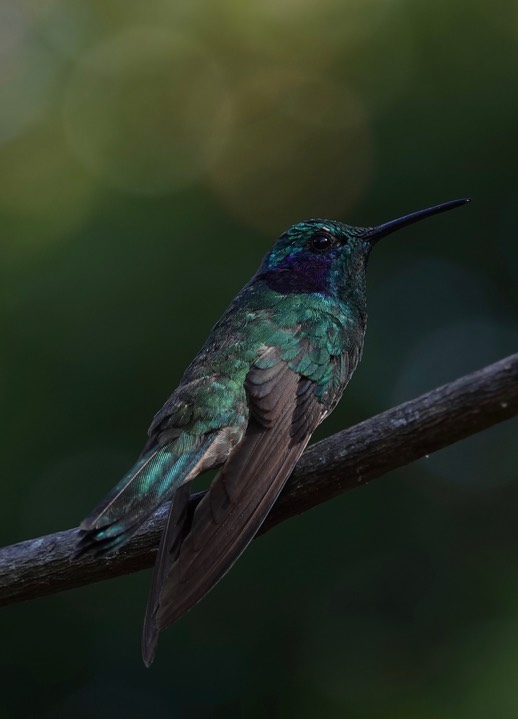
(297, 146)
(139, 110)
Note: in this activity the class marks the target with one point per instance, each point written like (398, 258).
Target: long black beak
(373, 234)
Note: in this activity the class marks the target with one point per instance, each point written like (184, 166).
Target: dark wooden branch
(347, 460)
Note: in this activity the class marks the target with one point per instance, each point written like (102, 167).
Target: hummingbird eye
(322, 242)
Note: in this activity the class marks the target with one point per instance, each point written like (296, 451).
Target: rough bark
(346, 460)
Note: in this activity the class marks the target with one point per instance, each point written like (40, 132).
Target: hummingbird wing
(182, 444)
(152, 481)
(284, 414)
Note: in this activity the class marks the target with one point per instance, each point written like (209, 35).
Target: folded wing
(197, 551)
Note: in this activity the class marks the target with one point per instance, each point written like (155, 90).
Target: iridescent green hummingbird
(274, 366)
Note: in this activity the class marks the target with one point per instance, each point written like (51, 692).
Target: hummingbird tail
(177, 528)
(200, 544)
(151, 481)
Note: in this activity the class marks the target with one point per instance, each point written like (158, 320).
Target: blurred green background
(149, 155)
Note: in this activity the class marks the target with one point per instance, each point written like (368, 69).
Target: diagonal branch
(346, 460)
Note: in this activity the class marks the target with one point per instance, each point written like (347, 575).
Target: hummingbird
(272, 369)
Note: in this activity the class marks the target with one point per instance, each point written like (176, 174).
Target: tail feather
(151, 481)
(177, 528)
(239, 498)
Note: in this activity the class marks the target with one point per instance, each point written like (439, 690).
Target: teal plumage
(274, 366)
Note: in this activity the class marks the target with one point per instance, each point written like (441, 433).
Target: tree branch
(346, 460)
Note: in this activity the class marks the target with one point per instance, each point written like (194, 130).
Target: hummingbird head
(330, 257)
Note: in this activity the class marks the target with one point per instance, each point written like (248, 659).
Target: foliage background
(149, 154)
